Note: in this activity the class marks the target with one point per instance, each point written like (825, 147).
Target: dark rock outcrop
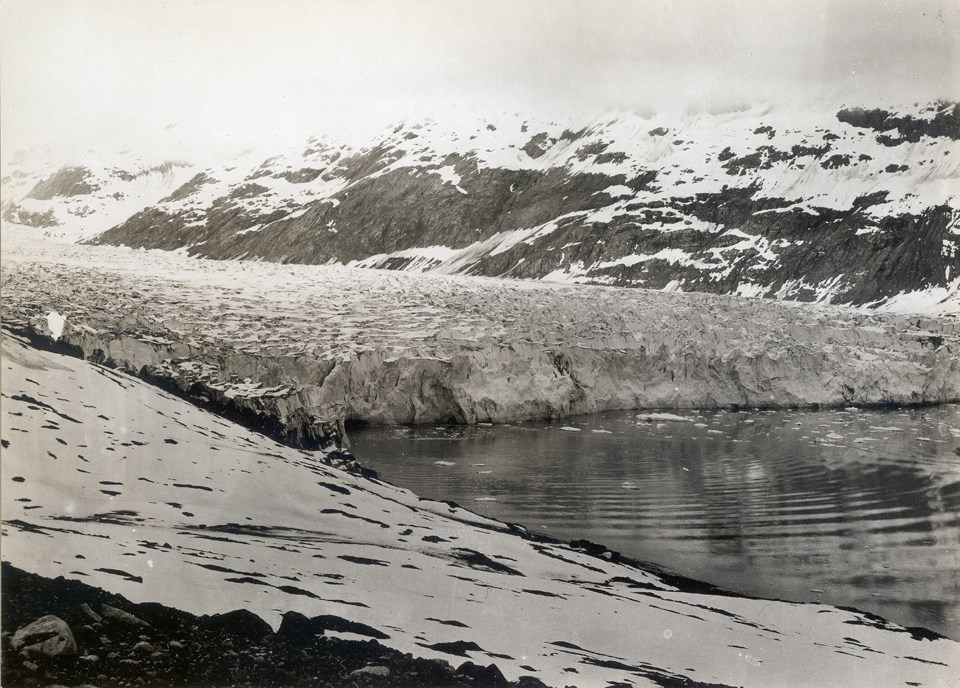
(238, 622)
(943, 120)
(68, 181)
(180, 649)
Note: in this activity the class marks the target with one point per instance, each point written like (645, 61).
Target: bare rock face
(16, 214)
(67, 181)
(86, 196)
(49, 637)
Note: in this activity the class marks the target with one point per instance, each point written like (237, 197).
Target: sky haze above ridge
(184, 76)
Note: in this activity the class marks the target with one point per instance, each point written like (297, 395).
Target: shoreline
(341, 455)
(357, 526)
(334, 434)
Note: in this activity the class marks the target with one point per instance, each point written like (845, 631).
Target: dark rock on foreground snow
(176, 648)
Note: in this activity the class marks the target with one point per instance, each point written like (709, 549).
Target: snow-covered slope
(856, 206)
(112, 481)
(82, 199)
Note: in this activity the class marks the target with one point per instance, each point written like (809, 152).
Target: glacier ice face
(300, 349)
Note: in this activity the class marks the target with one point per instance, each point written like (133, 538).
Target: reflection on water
(854, 508)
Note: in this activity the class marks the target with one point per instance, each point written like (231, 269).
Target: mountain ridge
(857, 207)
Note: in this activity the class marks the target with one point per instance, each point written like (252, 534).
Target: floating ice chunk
(484, 499)
(445, 463)
(663, 416)
(602, 432)
(55, 323)
(569, 428)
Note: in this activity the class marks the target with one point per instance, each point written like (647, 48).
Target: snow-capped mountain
(857, 206)
(82, 199)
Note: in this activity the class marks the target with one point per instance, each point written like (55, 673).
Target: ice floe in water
(654, 417)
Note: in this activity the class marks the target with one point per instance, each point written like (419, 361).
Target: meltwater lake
(849, 507)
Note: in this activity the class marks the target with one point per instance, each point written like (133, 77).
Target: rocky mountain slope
(856, 206)
(102, 482)
(295, 350)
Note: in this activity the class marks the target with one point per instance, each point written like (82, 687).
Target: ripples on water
(853, 508)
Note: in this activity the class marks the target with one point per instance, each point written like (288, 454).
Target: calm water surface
(854, 508)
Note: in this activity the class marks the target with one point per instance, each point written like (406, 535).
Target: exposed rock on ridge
(83, 199)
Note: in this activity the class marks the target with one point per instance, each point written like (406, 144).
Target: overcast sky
(194, 74)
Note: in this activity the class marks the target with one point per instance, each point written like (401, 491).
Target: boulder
(370, 670)
(48, 636)
(118, 616)
(297, 629)
(143, 647)
(239, 623)
(329, 622)
(530, 682)
(86, 609)
(483, 675)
